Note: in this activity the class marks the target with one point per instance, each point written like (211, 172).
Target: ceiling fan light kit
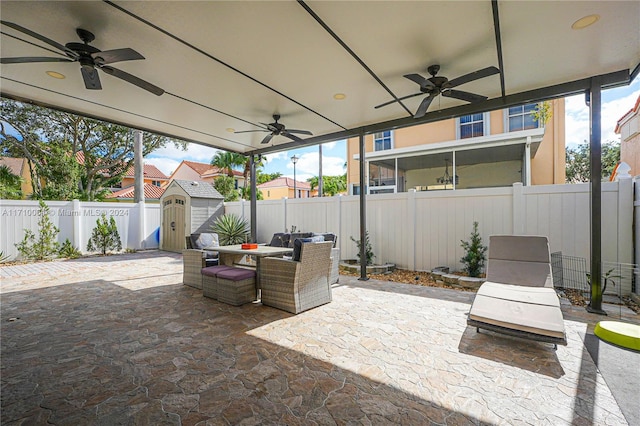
(90, 58)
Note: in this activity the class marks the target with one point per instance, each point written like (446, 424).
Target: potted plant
(231, 230)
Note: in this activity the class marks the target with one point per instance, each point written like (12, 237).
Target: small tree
(44, 246)
(475, 256)
(368, 250)
(105, 236)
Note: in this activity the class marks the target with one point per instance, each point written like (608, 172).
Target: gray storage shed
(188, 207)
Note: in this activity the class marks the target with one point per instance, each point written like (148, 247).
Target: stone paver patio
(119, 340)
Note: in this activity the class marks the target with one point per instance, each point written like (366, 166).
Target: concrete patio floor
(119, 340)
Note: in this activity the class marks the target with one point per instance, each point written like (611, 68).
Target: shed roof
(197, 189)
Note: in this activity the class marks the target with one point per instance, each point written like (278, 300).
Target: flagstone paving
(119, 340)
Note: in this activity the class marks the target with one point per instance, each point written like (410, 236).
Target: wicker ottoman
(236, 286)
(209, 281)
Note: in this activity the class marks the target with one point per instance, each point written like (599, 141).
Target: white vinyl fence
(415, 230)
(76, 221)
(421, 230)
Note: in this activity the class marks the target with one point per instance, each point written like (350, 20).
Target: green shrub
(44, 246)
(475, 256)
(104, 236)
(368, 250)
(68, 250)
(4, 257)
(231, 230)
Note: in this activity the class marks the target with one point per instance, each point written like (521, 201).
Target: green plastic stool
(623, 334)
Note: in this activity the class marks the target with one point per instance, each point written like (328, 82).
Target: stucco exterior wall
(547, 167)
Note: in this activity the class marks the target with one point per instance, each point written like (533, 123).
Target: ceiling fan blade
(300, 132)
(465, 96)
(251, 131)
(91, 78)
(290, 136)
(28, 59)
(417, 78)
(267, 138)
(399, 99)
(424, 106)
(485, 72)
(133, 80)
(116, 55)
(40, 37)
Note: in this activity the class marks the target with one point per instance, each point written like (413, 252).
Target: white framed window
(472, 126)
(383, 140)
(520, 118)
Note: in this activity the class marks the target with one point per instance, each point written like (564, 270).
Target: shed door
(173, 223)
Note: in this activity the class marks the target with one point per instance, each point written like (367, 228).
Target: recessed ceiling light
(585, 21)
(230, 129)
(55, 74)
(339, 96)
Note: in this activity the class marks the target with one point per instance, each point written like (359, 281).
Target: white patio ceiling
(232, 65)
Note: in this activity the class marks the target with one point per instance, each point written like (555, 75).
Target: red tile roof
(285, 181)
(14, 164)
(150, 192)
(150, 172)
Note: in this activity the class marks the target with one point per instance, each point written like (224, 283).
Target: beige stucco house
(203, 172)
(628, 128)
(284, 187)
(20, 168)
(489, 149)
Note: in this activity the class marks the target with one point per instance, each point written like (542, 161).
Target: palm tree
(227, 161)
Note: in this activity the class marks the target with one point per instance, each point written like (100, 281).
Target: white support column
(518, 209)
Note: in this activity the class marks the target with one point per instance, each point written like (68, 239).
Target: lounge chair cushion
(528, 274)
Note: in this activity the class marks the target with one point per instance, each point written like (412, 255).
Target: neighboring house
(152, 193)
(203, 172)
(489, 149)
(19, 167)
(628, 128)
(152, 176)
(283, 187)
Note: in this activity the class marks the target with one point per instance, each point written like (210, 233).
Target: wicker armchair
(297, 286)
(193, 260)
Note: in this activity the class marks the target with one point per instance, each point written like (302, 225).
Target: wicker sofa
(296, 286)
(196, 257)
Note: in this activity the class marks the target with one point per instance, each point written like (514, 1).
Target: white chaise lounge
(518, 297)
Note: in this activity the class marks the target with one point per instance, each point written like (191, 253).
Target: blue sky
(615, 103)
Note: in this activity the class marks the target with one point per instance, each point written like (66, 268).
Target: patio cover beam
(615, 79)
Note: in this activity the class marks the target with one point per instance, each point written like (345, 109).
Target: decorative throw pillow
(327, 237)
(207, 241)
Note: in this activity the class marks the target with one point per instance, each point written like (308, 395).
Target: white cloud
(166, 165)
(194, 152)
(169, 157)
(308, 164)
(577, 115)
